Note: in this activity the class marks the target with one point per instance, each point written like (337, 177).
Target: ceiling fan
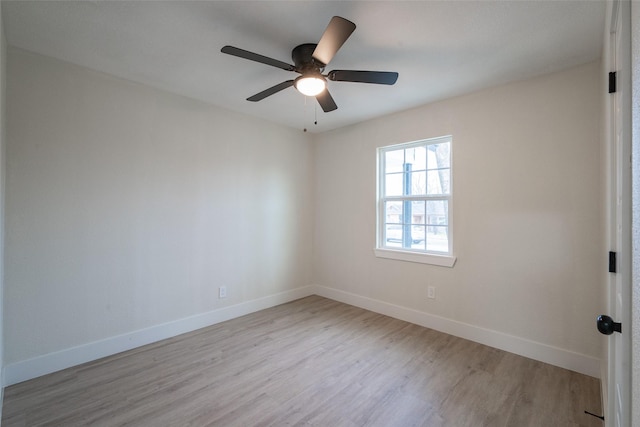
(310, 60)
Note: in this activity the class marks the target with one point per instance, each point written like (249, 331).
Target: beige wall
(127, 207)
(527, 216)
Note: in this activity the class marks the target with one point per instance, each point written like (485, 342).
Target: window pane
(438, 239)
(417, 156)
(418, 183)
(439, 156)
(393, 212)
(445, 180)
(418, 237)
(438, 182)
(437, 212)
(417, 212)
(393, 161)
(393, 236)
(393, 184)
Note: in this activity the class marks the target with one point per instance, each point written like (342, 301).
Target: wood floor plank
(311, 362)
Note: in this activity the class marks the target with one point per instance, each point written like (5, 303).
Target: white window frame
(444, 259)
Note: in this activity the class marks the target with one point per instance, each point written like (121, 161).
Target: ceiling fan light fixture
(310, 85)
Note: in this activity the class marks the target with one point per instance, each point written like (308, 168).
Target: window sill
(440, 260)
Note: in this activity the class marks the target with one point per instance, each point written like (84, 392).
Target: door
(618, 387)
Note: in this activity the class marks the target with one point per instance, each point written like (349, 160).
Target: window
(414, 202)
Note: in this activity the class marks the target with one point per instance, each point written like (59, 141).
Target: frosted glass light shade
(310, 85)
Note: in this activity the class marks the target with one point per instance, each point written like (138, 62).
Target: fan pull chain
(304, 115)
(304, 112)
(315, 112)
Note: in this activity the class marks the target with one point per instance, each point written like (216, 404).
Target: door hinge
(612, 82)
(612, 262)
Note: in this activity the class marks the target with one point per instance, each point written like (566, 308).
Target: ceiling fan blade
(334, 36)
(378, 77)
(268, 92)
(241, 53)
(326, 101)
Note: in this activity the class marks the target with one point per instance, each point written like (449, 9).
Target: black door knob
(607, 326)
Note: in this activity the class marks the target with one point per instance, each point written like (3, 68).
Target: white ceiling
(440, 48)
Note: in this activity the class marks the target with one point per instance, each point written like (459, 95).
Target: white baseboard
(52, 362)
(534, 350)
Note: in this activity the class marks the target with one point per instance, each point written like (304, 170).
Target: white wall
(527, 217)
(127, 207)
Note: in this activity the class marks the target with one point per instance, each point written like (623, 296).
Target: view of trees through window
(415, 191)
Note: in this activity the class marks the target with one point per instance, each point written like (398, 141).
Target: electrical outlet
(431, 292)
(222, 292)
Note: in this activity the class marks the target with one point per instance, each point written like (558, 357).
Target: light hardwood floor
(309, 362)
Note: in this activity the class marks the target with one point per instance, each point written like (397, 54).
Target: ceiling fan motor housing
(302, 56)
